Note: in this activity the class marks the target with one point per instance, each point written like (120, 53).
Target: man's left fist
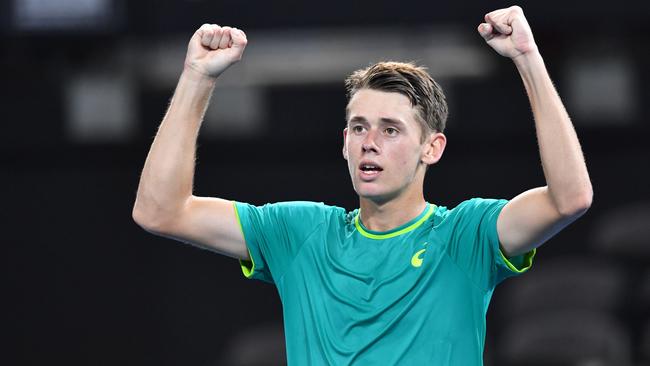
(507, 31)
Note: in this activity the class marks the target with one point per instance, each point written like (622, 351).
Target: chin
(375, 194)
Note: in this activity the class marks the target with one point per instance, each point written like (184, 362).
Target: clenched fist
(507, 32)
(213, 49)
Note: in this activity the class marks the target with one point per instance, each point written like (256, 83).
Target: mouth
(369, 170)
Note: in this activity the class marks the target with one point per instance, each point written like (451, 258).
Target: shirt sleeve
(475, 247)
(274, 233)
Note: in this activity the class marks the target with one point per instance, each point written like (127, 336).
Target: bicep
(529, 220)
(210, 223)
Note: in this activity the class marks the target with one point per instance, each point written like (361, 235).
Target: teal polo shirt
(414, 295)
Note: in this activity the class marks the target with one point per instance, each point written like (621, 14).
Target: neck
(384, 216)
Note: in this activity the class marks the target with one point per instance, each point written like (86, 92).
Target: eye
(357, 129)
(390, 131)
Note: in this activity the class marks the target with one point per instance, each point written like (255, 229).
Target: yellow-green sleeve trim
(247, 267)
(411, 227)
(528, 261)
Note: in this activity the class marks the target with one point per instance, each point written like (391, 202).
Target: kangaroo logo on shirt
(416, 261)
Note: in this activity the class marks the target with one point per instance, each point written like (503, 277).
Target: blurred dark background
(86, 82)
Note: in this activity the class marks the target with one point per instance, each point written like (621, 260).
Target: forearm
(562, 159)
(167, 177)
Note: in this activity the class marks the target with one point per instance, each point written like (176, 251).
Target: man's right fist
(213, 48)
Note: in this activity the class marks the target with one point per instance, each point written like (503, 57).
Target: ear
(433, 148)
(345, 146)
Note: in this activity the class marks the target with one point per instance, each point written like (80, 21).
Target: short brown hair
(407, 79)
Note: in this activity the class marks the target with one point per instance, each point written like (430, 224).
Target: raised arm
(165, 204)
(534, 216)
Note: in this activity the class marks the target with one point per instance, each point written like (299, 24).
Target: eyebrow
(384, 120)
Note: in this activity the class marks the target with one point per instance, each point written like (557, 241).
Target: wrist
(191, 73)
(528, 60)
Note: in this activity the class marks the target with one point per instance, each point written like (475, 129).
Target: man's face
(382, 145)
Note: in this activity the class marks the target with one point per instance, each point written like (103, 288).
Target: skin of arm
(165, 204)
(536, 215)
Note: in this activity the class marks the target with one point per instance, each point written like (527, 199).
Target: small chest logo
(416, 261)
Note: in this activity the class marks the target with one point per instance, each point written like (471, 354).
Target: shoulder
(298, 207)
(473, 207)
(299, 211)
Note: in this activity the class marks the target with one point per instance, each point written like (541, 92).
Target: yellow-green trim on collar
(411, 227)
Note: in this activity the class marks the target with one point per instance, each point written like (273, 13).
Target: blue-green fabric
(351, 299)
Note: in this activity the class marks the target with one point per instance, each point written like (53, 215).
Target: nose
(370, 142)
